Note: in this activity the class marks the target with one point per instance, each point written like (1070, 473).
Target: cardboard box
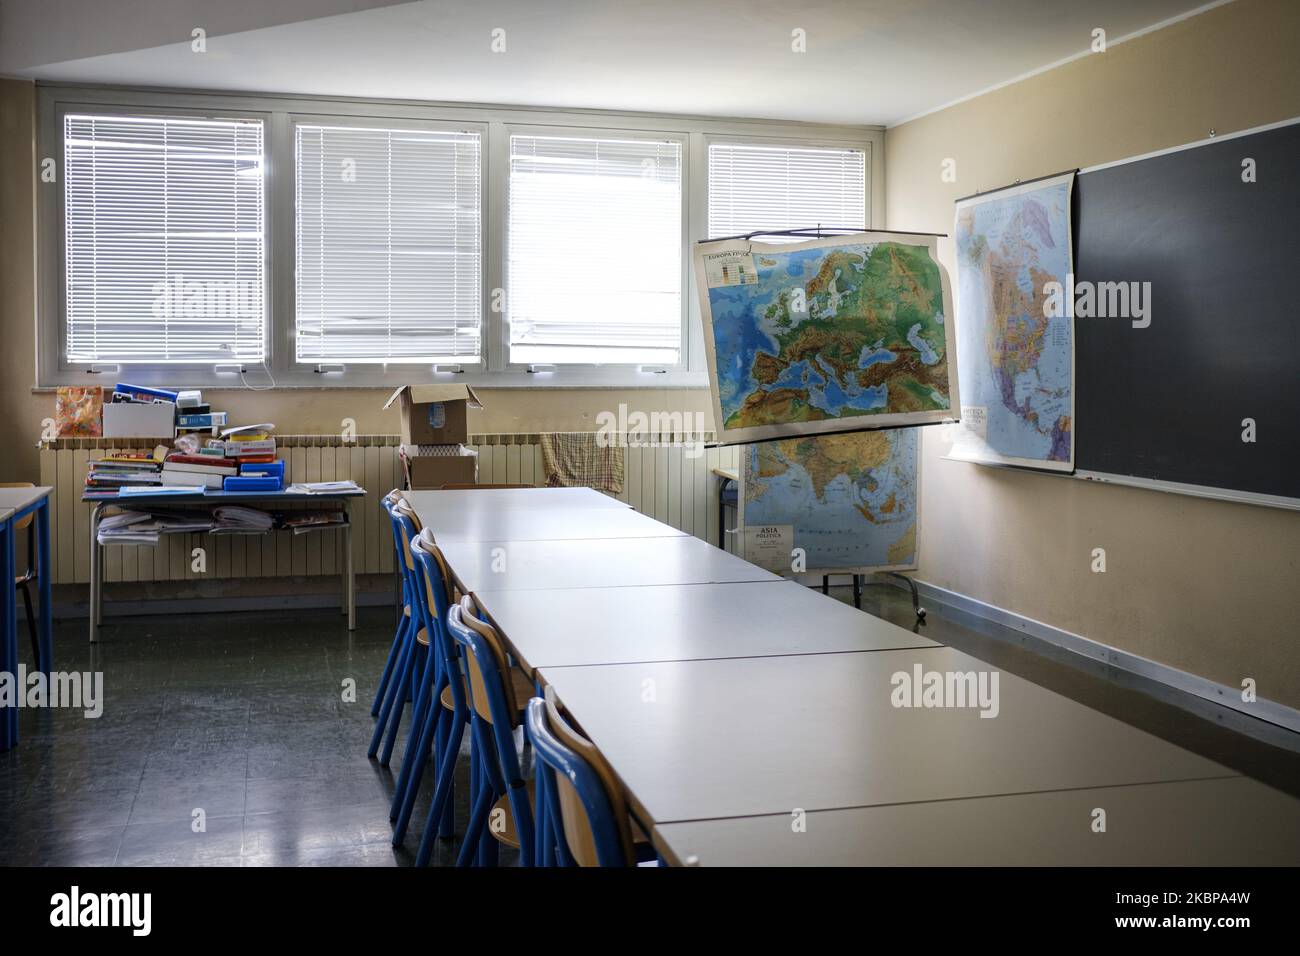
(130, 420)
(435, 414)
(433, 471)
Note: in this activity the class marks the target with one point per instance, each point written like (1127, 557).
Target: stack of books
(193, 414)
(202, 471)
(250, 444)
(106, 476)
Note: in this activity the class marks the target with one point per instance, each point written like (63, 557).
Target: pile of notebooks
(105, 476)
(302, 522)
(235, 519)
(203, 471)
(145, 527)
(248, 444)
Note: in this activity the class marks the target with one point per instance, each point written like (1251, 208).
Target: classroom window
(594, 261)
(163, 240)
(755, 187)
(388, 226)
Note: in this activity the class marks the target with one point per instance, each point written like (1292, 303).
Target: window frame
(683, 364)
(494, 123)
(868, 195)
(287, 330)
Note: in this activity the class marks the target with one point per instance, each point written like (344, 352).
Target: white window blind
(389, 236)
(164, 240)
(755, 187)
(595, 250)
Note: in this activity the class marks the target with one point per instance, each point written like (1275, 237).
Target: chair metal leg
(393, 653)
(445, 768)
(423, 724)
(469, 850)
(390, 699)
(409, 672)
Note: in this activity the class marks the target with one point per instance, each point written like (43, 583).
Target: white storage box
(128, 420)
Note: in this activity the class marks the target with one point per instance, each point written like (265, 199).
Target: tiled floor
(242, 716)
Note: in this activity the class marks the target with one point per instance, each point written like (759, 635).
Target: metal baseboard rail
(1266, 720)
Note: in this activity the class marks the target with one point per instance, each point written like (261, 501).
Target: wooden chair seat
(507, 835)
(422, 637)
(523, 688)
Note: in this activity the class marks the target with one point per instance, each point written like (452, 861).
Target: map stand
(916, 598)
(857, 590)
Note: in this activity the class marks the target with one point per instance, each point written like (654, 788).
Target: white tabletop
(616, 625)
(706, 739)
(1163, 824)
(20, 498)
(454, 500)
(5, 513)
(602, 562)
(543, 524)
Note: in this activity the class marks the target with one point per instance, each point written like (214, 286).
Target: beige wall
(1208, 587)
(295, 411)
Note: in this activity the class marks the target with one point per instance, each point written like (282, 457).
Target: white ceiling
(867, 61)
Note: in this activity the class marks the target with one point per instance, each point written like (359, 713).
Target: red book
(256, 459)
(204, 460)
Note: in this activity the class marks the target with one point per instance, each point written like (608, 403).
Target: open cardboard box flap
(424, 394)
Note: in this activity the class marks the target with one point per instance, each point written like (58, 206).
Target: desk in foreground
(15, 505)
(1227, 822)
(766, 735)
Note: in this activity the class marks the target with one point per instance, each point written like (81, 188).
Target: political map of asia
(829, 335)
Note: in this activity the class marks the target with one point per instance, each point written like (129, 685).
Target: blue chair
(405, 617)
(502, 805)
(585, 818)
(411, 646)
(431, 720)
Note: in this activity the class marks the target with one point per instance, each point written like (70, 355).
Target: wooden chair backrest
(425, 543)
(577, 826)
(469, 617)
(403, 508)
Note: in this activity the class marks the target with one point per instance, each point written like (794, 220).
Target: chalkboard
(1222, 256)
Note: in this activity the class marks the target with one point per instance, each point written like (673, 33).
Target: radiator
(666, 480)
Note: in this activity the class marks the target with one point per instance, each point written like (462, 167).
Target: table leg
(350, 580)
(9, 636)
(96, 571)
(45, 634)
(722, 515)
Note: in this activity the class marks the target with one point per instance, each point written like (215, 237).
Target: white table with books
(139, 498)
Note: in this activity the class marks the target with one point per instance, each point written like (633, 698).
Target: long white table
(594, 562)
(543, 524)
(580, 627)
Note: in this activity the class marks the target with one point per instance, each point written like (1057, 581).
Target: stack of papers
(127, 527)
(143, 527)
(233, 519)
(323, 487)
